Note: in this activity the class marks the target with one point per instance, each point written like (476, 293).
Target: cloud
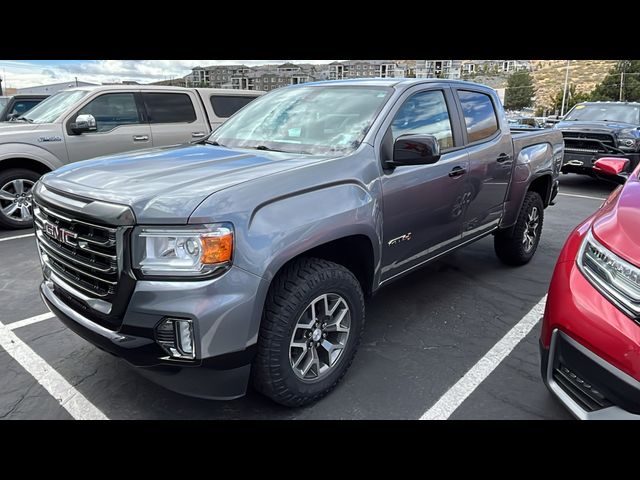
(17, 74)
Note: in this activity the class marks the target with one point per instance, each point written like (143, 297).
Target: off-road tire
(291, 292)
(509, 245)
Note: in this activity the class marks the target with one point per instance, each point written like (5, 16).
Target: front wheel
(311, 327)
(15, 197)
(517, 245)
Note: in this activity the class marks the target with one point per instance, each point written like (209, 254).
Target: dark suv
(593, 130)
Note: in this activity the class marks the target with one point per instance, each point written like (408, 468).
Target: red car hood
(617, 224)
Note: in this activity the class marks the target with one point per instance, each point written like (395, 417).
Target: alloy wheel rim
(531, 229)
(320, 337)
(15, 200)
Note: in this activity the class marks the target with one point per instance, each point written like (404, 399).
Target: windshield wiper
(213, 142)
(23, 119)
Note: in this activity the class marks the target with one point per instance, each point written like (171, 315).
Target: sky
(29, 73)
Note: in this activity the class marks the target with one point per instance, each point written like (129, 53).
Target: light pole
(566, 83)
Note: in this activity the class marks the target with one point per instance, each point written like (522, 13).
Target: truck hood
(165, 185)
(601, 127)
(617, 225)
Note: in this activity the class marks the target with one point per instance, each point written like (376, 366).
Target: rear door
(175, 117)
(120, 127)
(421, 204)
(490, 150)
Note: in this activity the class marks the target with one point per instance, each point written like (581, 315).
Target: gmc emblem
(60, 234)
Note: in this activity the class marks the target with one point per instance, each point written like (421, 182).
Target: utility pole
(566, 84)
(621, 83)
(76, 81)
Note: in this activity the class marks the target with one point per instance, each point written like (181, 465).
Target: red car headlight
(617, 279)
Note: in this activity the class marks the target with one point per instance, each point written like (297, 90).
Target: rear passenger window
(112, 110)
(224, 106)
(169, 108)
(424, 113)
(479, 115)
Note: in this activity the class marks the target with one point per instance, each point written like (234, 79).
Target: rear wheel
(311, 327)
(15, 198)
(517, 245)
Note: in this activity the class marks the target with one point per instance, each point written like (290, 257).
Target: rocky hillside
(548, 76)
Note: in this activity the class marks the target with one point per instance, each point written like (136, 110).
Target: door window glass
(425, 113)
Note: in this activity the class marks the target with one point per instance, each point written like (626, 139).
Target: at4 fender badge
(402, 238)
(54, 138)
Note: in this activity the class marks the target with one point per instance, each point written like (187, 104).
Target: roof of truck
(391, 82)
(91, 88)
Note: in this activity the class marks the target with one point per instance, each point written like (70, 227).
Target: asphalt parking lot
(423, 334)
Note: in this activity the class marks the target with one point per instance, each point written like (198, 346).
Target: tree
(520, 91)
(626, 71)
(571, 99)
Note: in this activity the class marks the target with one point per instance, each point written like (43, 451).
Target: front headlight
(192, 251)
(617, 279)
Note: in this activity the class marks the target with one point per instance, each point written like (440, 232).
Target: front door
(422, 204)
(120, 128)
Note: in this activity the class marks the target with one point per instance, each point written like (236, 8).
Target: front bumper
(581, 163)
(222, 312)
(588, 386)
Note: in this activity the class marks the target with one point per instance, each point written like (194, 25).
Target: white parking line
(582, 196)
(30, 321)
(69, 398)
(16, 237)
(457, 394)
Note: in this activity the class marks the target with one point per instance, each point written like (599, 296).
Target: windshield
(605, 113)
(313, 120)
(51, 108)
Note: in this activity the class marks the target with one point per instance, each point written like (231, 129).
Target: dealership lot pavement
(423, 334)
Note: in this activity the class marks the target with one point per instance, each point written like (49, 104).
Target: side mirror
(611, 168)
(415, 150)
(84, 123)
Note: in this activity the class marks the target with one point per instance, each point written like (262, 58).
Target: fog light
(185, 337)
(175, 336)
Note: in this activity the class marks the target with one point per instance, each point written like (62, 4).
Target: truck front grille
(589, 142)
(82, 254)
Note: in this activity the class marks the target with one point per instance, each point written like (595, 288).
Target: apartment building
(453, 69)
(263, 77)
(366, 69)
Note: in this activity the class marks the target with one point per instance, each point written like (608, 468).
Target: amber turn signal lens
(217, 249)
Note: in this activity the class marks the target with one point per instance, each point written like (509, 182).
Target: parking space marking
(16, 237)
(582, 196)
(30, 321)
(453, 398)
(69, 398)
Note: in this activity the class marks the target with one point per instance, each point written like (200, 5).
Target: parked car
(249, 254)
(593, 130)
(85, 122)
(590, 341)
(18, 105)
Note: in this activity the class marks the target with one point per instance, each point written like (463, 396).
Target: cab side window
(479, 115)
(112, 110)
(425, 113)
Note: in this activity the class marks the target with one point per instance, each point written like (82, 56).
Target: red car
(590, 340)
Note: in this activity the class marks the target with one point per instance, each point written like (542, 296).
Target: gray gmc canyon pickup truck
(247, 255)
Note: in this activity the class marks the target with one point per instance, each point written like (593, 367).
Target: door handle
(457, 172)
(197, 134)
(503, 157)
(140, 138)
